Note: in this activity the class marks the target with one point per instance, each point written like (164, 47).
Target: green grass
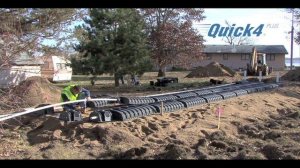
(106, 82)
(87, 78)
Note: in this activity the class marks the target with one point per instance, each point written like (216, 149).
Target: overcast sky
(270, 17)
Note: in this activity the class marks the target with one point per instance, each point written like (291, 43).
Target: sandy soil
(257, 126)
(29, 93)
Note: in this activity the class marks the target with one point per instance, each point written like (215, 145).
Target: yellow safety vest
(69, 94)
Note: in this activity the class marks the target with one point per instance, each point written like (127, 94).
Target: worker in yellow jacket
(75, 92)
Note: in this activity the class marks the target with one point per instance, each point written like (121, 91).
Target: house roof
(268, 49)
(28, 62)
(25, 59)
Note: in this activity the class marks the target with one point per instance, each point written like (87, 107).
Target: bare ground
(256, 126)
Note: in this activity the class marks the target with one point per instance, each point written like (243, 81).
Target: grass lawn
(106, 82)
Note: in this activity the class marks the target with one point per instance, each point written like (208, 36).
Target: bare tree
(172, 39)
(25, 30)
(296, 13)
(233, 40)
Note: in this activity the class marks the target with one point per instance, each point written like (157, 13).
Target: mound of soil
(111, 136)
(198, 72)
(37, 90)
(175, 152)
(293, 75)
(213, 69)
(45, 132)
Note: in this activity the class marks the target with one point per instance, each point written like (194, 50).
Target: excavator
(257, 63)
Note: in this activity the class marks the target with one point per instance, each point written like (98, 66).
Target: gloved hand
(83, 110)
(88, 98)
(78, 107)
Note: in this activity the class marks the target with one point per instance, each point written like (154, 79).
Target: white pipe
(5, 115)
(277, 77)
(260, 76)
(107, 99)
(9, 116)
(245, 76)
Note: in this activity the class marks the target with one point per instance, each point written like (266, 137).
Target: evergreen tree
(115, 42)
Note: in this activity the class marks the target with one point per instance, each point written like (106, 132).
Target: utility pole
(292, 39)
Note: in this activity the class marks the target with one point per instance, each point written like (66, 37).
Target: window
(225, 56)
(245, 56)
(58, 65)
(207, 57)
(61, 66)
(270, 57)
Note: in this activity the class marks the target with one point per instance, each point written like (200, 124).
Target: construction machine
(257, 63)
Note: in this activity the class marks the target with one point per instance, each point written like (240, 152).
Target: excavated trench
(135, 107)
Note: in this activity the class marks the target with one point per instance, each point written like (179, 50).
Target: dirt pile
(256, 126)
(111, 136)
(293, 75)
(37, 90)
(213, 69)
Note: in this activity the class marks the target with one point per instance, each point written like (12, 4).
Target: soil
(261, 125)
(36, 90)
(213, 69)
(293, 75)
(29, 93)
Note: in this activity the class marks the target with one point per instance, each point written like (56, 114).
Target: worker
(75, 92)
(135, 80)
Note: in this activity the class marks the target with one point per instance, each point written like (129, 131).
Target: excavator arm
(252, 68)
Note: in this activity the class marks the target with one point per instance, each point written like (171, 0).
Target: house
(237, 57)
(56, 69)
(19, 69)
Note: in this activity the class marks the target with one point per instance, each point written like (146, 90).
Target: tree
(24, 30)
(172, 39)
(233, 40)
(114, 41)
(296, 19)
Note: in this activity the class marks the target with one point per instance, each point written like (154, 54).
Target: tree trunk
(161, 72)
(93, 80)
(117, 77)
(122, 79)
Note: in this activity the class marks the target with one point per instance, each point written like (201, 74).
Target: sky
(277, 24)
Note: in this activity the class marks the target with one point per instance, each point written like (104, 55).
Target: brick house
(237, 57)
